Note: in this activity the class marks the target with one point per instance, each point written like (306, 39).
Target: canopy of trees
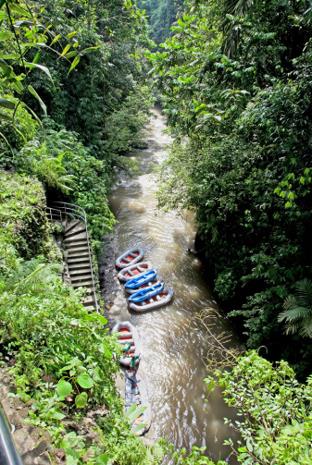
(236, 85)
(161, 14)
(236, 81)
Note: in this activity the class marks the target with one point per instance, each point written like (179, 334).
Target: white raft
(127, 334)
(133, 271)
(130, 257)
(155, 302)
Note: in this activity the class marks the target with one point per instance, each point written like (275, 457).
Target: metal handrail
(77, 212)
(8, 452)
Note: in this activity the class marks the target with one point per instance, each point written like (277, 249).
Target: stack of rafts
(141, 281)
(136, 402)
(145, 292)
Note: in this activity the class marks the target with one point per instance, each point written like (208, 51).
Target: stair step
(81, 272)
(77, 249)
(90, 307)
(80, 283)
(81, 277)
(79, 256)
(75, 232)
(75, 242)
(71, 226)
(89, 301)
(73, 266)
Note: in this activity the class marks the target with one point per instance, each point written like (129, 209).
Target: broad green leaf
(85, 381)
(37, 96)
(81, 400)
(63, 388)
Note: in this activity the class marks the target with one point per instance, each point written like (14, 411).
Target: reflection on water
(173, 341)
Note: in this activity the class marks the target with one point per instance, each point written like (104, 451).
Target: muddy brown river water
(174, 343)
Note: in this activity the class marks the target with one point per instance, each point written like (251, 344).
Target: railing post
(8, 452)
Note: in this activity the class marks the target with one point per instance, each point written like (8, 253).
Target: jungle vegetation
(161, 14)
(236, 84)
(235, 80)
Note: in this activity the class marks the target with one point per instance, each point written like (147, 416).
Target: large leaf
(63, 388)
(81, 400)
(85, 381)
(37, 96)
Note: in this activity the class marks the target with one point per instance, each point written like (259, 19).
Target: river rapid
(174, 342)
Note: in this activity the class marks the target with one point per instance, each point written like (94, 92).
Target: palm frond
(297, 314)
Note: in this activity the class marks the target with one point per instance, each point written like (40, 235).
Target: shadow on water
(174, 343)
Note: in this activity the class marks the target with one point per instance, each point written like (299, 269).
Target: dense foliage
(73, 95)
(274, 412)
(236, 80)
(62, 358)
(72, 100)
(162, 14)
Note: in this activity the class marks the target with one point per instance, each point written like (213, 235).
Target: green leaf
(70, 35)
(102, 460)
(85, 381)
(91, 49)
(40, 67)
(65, 50)
(7, 103)
(81, 400)
(74, 64)
(5, 35)
(63, 388)
(37, 96)
(56, 39)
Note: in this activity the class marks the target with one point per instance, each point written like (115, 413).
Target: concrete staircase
(77, 252)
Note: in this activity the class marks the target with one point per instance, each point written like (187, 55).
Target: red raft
(130, 257)
(133, 270)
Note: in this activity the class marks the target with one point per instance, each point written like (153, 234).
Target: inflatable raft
(147, 293)
(133, 270)
(139, 281)
(128, 338)
(144, 286)
(137, 406)
(159, 300)
(130, 257)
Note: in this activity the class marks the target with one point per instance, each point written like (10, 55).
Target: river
(174, 342)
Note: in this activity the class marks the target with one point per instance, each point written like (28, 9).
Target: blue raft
(146, 294)
(144, 278)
